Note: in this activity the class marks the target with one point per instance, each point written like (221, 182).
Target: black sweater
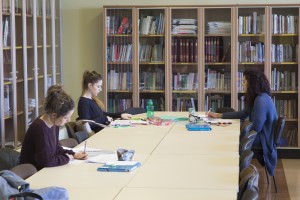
(89, 109)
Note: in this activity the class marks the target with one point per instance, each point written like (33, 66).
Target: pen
(208, 112)
(84, 147)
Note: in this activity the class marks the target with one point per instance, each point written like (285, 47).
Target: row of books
(151, 53)
(184, 103)
(213, 102)
(290, 138)
(283, 80)
(186, 81)
(283, 53)
(184, 49)
(218, 27)
(184, 26)
(119, 52)
(118, 25)
(119, 80)
(251, 52)
(286, 108)
(213, 49)
(252, 24)
(151, 24)
(218, 80)
(117, 104)
(282, 24)
(152, 80)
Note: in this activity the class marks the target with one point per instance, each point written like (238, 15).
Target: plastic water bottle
(150, 109)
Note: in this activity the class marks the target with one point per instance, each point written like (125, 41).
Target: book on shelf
(119, 166)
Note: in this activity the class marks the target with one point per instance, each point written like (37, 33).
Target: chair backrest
(246, 143)
(250, 194)
(224, 110)
(245, 159)
(24, 170)
(135, 110)
(8, 158)
(68, 142)
(278, 130)
(71, 129)
(245, 128)
(248, 179)
(81, 136)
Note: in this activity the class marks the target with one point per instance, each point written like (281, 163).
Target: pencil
(84, 147)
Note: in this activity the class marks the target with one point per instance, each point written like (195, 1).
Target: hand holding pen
(81, 155)
(210, 114)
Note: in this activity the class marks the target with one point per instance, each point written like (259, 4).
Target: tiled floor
(292, 173)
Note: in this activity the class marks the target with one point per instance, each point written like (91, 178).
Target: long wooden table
(176, 164)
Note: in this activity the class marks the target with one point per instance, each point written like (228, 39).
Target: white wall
(82, 22)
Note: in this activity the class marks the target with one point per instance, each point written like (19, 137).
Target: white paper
(112, 162)
(103, 158)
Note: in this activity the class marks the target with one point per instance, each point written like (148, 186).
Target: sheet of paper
(103, 158)
(121, 162)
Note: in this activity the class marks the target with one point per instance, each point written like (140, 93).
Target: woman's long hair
(257, 83)
(91, 77)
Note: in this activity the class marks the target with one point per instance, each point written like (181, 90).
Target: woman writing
(41, 144)
(90, 107)
(261, 111)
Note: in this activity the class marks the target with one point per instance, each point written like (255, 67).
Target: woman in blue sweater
(89, 105)
(261, 111)
(41, 144)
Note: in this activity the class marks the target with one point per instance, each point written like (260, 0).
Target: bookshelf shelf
(120, 91)
(23, 54)
(203, 52)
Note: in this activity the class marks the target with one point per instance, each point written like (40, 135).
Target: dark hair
(257, 83)
(58, 101)
(90, 77)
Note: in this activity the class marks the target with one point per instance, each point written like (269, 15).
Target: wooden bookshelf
(198, 44)
(30, 62)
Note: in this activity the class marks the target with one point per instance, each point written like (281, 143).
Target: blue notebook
(198, 127)
(119, 166)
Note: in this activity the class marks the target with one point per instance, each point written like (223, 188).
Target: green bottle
(150, 109)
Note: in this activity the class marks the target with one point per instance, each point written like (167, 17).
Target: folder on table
(119, 166)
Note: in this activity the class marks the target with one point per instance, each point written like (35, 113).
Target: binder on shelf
(198, 127)
(119, 166)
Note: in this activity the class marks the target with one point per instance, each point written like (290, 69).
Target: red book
(124, 23)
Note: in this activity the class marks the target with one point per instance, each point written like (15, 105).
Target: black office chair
(245, 159)
(245, 128)
(250, 194)
(246, 143)
(248, 179)
(277, 137)
(79, 135)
